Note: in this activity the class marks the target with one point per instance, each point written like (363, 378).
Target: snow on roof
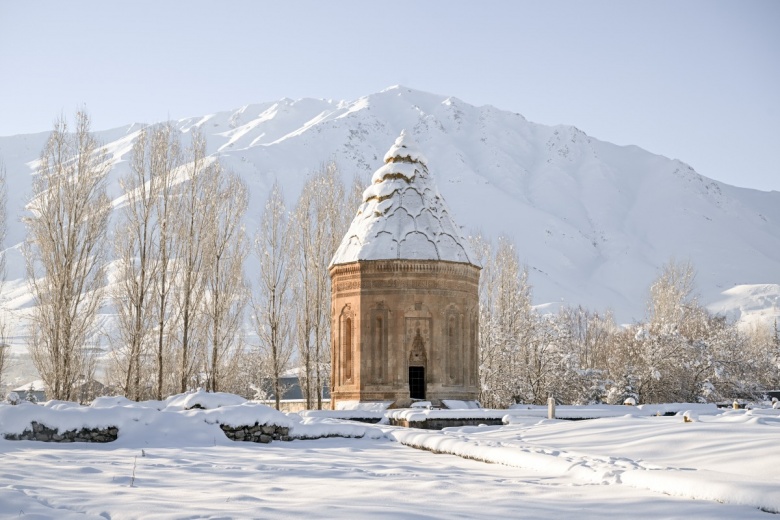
(201, 398)
(405, 148)
(403, 216)
(38, 386)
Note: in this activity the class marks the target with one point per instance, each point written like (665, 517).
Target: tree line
(176, 280)
(186, 315)
(680, 353)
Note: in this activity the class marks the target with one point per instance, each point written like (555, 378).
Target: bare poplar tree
(134, 245)
(354, 198)
(191, 238)
(4, 350)
(226, 250)
(304, 267)
(168, 152)
(332, 222)
(272, 305)
(3, 223)
(319, 223)
(142, 245)
(3, 324)
(65, 252)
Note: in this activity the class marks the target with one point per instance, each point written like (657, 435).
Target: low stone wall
(42, 433)
(366, 420)
(441, 423)
(257, 433)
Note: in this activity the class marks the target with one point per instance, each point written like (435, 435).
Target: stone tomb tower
(404, 293)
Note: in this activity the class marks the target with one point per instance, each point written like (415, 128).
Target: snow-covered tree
(671, 303)
(624, 389)
(30, 396)
(516, 359)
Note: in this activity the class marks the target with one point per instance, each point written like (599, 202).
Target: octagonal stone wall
(390, 315)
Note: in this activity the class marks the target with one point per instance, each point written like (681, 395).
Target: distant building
(404, 293)
(292, 386)
(293, 398)
(84, 391)
(32, 391)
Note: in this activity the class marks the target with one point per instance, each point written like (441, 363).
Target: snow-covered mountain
(592, 220)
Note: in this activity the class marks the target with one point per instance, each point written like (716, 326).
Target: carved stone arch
(418, 318)
(346, 344)
(418, 331)
(454, 336)
(472, 345)
(418, 368)
(379, 324)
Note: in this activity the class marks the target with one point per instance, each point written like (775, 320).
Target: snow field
(170, 462)
(327, 478)
(730, 457)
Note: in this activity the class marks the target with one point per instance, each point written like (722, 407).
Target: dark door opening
(417, 382)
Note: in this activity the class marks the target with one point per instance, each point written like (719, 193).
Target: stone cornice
(424, 267)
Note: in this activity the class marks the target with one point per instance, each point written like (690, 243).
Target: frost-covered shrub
(30, 397)
(13, 398)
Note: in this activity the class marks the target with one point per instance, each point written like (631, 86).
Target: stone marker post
(550, 408)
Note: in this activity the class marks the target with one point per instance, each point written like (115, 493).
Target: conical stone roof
(403, 216)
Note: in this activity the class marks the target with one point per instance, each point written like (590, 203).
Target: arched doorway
(417, 382)
(417, 362)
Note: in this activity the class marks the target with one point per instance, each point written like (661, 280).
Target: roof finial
(405, 150)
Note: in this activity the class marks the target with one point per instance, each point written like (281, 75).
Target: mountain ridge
(593, 221)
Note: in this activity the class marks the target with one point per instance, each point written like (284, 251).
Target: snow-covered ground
(169, 462)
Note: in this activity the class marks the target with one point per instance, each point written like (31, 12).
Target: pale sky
(693, 80)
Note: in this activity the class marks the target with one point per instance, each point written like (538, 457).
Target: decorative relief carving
(452, 269)
(417, 355)
(415, 327)
(395, 283)
(348, 286)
